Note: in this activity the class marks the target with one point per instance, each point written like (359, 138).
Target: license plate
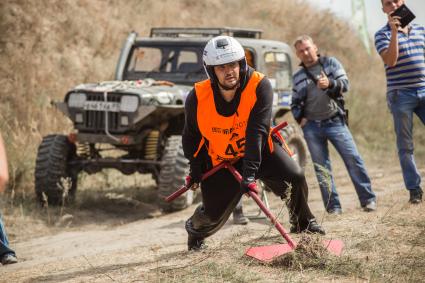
(102, 106)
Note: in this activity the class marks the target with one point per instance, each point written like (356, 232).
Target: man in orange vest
(228, 119)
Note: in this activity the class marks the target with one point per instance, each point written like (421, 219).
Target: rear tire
(172, 176)
(53, 156)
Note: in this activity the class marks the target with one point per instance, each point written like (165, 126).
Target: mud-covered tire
(53, 155)
(296, 144)
(172, 176)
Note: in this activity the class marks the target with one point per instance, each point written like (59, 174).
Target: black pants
(221, 193)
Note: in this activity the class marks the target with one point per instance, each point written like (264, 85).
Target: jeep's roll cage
(205, 32)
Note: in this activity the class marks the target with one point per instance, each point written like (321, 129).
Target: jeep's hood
(149, 90)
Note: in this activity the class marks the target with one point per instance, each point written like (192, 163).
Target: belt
(334, 118)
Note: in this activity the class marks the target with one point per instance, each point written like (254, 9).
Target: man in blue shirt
(402, 50)
(316, 105)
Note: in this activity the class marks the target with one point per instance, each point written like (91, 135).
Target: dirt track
(145, 250)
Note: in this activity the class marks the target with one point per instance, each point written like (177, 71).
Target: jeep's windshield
(278, 70)
(178, 64)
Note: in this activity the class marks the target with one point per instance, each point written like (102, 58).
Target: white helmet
(223, 50)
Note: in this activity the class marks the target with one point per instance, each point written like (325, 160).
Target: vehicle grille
(95, 120)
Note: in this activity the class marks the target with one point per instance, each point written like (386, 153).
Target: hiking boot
(238, 217)
(335, 211)
(415, 196)
(195, 244)
(370, 206)
(9, 259)
(312, 227)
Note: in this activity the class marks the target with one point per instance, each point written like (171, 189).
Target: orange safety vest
(225, 135)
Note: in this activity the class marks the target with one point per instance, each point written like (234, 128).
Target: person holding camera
(7, 256)
(402, 51)
(317, 105)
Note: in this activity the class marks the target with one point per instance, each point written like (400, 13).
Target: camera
(406, 16)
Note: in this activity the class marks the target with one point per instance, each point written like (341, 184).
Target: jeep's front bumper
(118, 139)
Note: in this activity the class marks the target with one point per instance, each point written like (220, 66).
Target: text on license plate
(102, 106)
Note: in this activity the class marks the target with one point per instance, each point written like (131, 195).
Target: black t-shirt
(256, 132)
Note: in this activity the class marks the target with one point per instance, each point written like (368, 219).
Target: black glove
(248, 184)
(195, 174)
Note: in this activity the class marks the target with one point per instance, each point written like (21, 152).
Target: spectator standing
(402, 50)
(316, 105)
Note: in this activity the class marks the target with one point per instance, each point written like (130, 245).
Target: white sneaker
(370, 206)
(9, 259)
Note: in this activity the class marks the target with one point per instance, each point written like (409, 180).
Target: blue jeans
(317, 134)
(403, 103)
(4, 243)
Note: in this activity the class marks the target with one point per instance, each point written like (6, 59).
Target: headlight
(164, 97)
(79, 117)
(129, 103)
(77, 100)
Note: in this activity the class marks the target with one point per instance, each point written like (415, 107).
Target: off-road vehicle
(141, 113)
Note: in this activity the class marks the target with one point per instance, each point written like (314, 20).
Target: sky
(375, 17)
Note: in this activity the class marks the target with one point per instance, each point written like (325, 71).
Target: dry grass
(388, 253)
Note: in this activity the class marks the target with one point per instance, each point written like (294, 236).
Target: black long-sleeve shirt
(256, 132)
